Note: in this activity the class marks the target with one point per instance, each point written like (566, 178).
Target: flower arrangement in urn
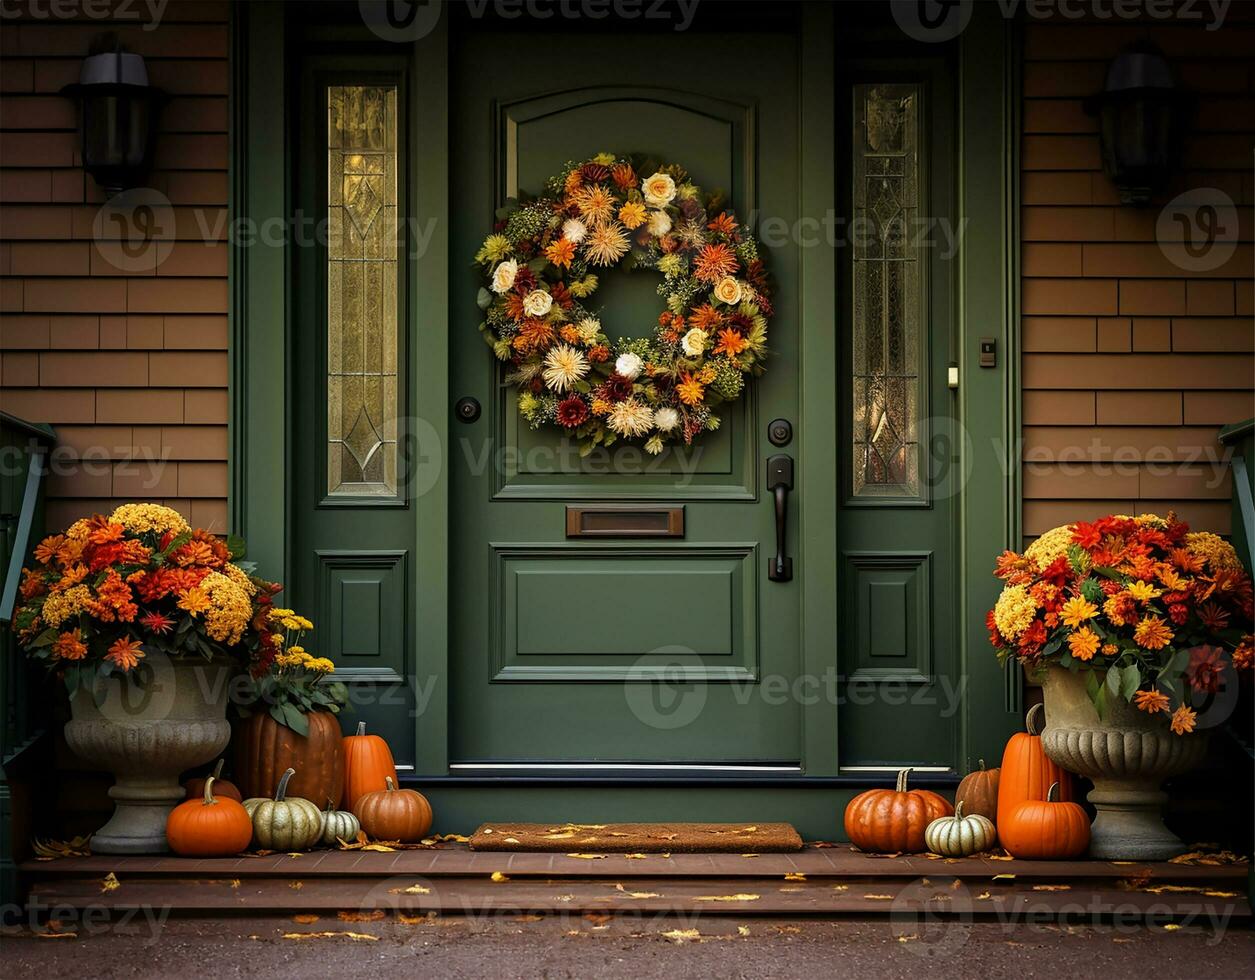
(139, 601)
(1135, 625)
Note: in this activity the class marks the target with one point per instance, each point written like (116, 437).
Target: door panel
(617, 651)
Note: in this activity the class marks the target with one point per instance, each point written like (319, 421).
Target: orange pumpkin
(222, 789)
(394, 814)
(888, 820)
(1045, 828)
(367, 764)
(265, 749)
(1026, 772)
(978, 792)
(210, 826)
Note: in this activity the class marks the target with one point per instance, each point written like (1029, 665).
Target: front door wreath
(542, 262)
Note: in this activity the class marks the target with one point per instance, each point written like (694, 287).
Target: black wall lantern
(1141, 122)
(117, 108)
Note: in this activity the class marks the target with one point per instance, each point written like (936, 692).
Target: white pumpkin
(338, 825)
(959, 835)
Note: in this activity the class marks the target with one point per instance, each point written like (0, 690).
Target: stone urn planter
(147, 728)
(1127, 755)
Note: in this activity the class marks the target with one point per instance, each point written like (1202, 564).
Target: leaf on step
(1170, 927)
(50, 850)
(234, 882)
(305, 919)
(531, 917)
(371, 916)
(749, 855)
(739, 897)
(355, 936)
(1001, 857)
(110, 883)
(414, 920)
(795, 876)
(908, 939)
(296, 886)
(840, 888)
(742, 930)
(879, 898)
(412, 890)
(499, 877)
(682, 935)
(380, 847)
(983, 897)
(587, 857)
(56, 935)
(452, 839)
(598, 918)
(635, 857)
(1004, 877)
(1052, 888)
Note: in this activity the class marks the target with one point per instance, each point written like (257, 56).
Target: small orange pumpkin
(222, 788)
(210, 826)
(1047, 828)
(1026, 772)
(978, 792)
(394, 814)
(367, 764)
(887, 820)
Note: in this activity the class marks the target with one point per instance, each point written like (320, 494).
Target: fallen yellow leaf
(499, 877)
(740, 897)
(355, 936)
(371, 916)
(1052, 888)
(587, 857)
(56, 935)
(412, 890)
(1170, 927)
(795, 876)
(983, 896)
(880, 898)
(1004, 878)
(304, 919)
(635, 857)
(742, 930)
(110, 883)
(682, 935)
(296, 886)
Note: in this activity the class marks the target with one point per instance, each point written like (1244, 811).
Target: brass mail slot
(625, 521)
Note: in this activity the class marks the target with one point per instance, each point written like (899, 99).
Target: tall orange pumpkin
(1047, 828)
(1026, 772)
(887, 820)
(978, 792)
(367, 765)
(264, 750)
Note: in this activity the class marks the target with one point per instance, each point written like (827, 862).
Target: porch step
(836, 881)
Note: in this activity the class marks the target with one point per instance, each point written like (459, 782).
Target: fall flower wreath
(542, 262)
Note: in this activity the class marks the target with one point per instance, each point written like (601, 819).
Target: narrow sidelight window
(362, 270)
(888, 295)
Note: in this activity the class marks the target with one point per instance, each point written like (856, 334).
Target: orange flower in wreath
(730, 342)
(690, 390)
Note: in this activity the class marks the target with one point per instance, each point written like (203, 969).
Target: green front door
(673, 651)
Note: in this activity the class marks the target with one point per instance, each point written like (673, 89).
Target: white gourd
(959, 835)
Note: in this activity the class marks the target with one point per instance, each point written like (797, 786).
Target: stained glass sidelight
(887, 295)
(362, 268)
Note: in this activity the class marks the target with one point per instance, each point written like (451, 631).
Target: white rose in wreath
(728, 291)
(659, 223)
(503, 276)
(659, 190)
(629, 365)
(537, 303)
(694, 342)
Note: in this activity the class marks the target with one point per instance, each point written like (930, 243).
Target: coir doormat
(643, 838)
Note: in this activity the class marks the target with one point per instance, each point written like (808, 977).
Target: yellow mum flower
(632, 214)
(321, 665)
(60, 606)
(1076, 610)
(194, 601)
(1014, 611)
(1213, 549)
(141, 518)
(230, 608)
(1051, 545)
(240, 578)
(494, 249)
(1152, 633)
(1144, 591)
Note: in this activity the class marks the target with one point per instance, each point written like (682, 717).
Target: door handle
(780, 482)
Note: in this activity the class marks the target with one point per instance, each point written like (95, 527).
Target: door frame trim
(989, 399)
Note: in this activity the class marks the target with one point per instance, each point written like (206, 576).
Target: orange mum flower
(1183, 720)
(194, 553)
(125, 653)
(705, 317)
(560, 252)
(690, 390)
(624, 176)
(1152, 633)
(1151, 701)
(1185, 560)
(69, 647)
(106, 533)
(47, 549)
(725, 224)
(193, 600)
(569, 334)
(1083, 643)
(535, 334)
(714, 262)
(730, 342)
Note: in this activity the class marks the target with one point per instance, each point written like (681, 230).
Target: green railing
(24, 453)
(1240, 436)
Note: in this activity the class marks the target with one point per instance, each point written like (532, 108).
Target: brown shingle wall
(127, 359)
(1130, 362)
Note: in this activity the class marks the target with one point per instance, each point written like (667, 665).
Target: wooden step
(834, 881)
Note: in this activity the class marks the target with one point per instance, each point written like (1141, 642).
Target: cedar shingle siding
(127, 360)
(1130, 362)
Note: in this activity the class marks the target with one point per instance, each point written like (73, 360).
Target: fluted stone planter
(1128, 755)
(146, 729)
